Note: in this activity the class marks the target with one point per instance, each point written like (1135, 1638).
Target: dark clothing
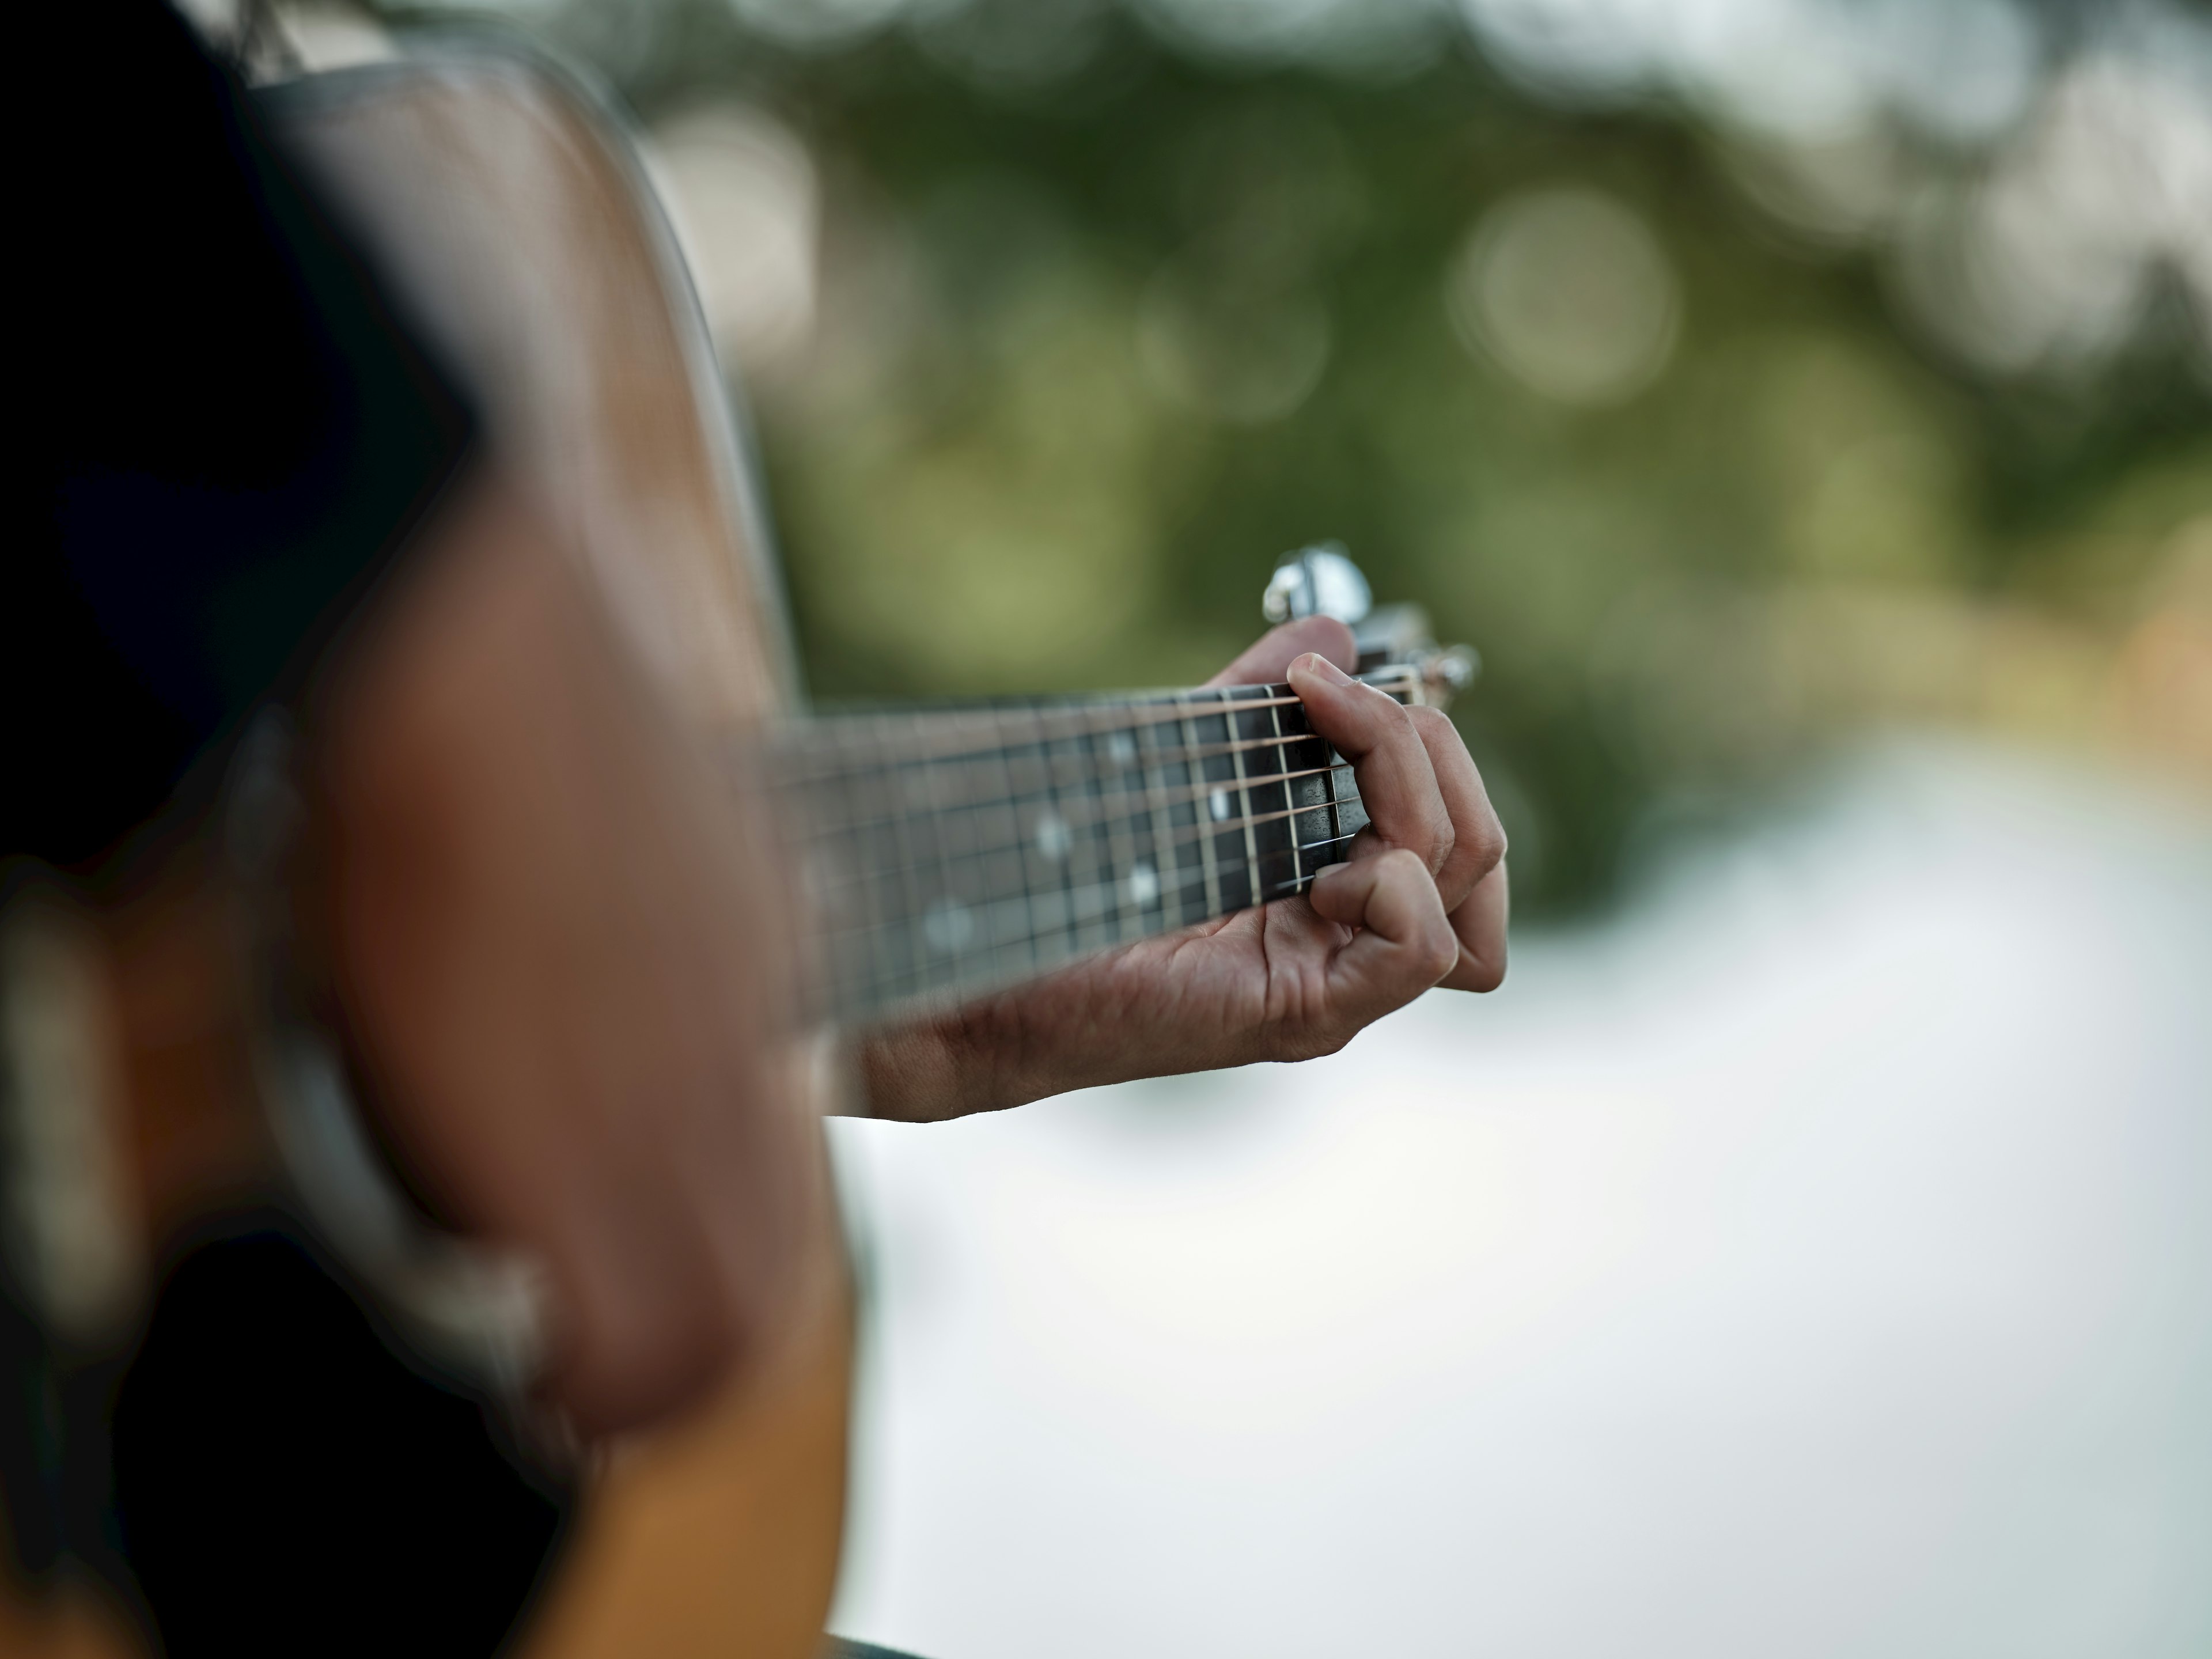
(230, 440)
(287, 1486)
(229, 435)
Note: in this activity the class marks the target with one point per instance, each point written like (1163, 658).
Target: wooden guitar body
(950, 852)
(508, 214)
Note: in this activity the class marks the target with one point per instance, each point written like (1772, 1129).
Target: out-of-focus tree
(1737, 377)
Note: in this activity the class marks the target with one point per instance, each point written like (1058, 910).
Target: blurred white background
(1815, 1260)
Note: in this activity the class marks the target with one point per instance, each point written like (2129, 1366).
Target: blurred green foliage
(1092, 350)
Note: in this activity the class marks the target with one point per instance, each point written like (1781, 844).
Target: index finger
(1397, 779)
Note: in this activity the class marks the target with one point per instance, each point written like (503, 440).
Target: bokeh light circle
(1569, 292)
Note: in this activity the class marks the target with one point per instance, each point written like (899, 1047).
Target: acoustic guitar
(944, 851)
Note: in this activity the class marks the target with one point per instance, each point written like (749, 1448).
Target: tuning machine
(1322, 580)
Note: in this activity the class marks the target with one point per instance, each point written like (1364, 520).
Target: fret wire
(1002, 857)
(907, 864)
(1072, 927)
(1134, 820)
(1207, 862)
(955, 920)
(870, 870)
(1165, 768)
(1121, 846)
(913, 825)
(1129, 822)
(862, 970)
(1056, 866)
(1099, 894)
(1216, 770)
(1197, 833)
(1101, 717)
(1283, 766)
(1315, 788)
(822, 736)
(1156, 804)
(1251, 843)
(1129, 916)
(1158, 786)
(1113, 802)
(978, 807)
(1098, 842)
(1013, 858)
(1100, 804)
(825, 736)
(976, 855)
(1155, 791)
(1108, 832)
(1328, 783)
(1291, 885)
(1267, 892)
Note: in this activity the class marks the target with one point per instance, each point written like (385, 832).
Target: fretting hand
(1422, 902)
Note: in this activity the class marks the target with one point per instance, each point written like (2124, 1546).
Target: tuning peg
(1447, 672)
(1320, 580)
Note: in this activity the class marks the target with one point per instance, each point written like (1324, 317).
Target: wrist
(950, 1067)
(984, 1057)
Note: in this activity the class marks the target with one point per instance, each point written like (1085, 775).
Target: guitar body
(955, 852)
(509, 215)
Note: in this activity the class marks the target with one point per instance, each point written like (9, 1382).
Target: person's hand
(1421, 902)
(563, 977)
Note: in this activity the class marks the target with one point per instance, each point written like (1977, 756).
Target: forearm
(1108, 1020)
(969, 1060)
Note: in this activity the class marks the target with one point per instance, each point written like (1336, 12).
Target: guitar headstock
(1322, 580)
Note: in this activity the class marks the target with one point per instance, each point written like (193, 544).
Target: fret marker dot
(1144, 884)
(947, 927)
(1217, 804)
(1051, 839)
(1122, 747)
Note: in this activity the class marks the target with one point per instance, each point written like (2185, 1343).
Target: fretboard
(957, 850)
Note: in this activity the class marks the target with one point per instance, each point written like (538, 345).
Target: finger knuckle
(1428, 717)
(1443, 837)
(1322, 1046)
(1290, 1045)
(1439, 952)
(1488, 844)
(1402, 863)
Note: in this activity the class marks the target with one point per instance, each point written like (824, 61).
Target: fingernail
(1328, 870)
(1314, 663)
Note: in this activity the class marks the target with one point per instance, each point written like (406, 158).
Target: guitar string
(868, 984)
(1088, 902)
(1103, 807)
(981, 740)
(1272, 890)
(869, 764)
(1120, 811)
(1089, 905)
(877, 985)
(1185, 836)
(1155, 707)
(1087, 719)
(1105, 814)
(1061, 768)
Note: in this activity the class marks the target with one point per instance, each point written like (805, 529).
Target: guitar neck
(955, 851)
